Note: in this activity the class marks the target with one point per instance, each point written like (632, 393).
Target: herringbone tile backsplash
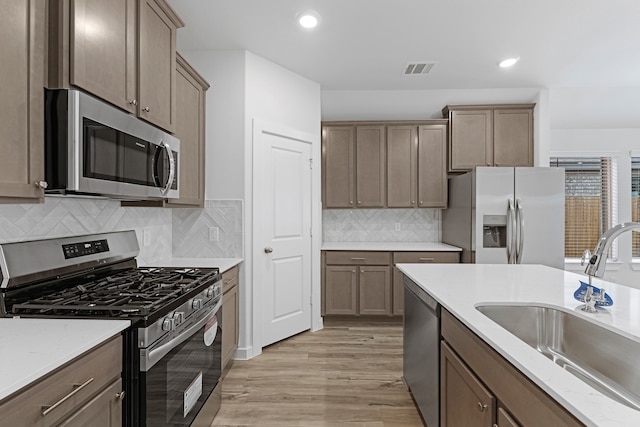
(381, 225)
(59, 217)
(191, 230)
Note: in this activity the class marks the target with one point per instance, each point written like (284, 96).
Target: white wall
(225, 148)
(617, 143)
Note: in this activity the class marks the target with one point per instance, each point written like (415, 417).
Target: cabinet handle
(133, 102)
(488, 164)
(496, 425)
(413, 202)
(146, 109)
(41, 184)
(359, 202)
(497, 164)
(353, 271)
(427, 259)
(350, 202)
(78, 387)
(120, 396)
(482, 407)
(358, 259)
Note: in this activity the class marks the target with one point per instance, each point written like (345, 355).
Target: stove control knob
(210, 292)
(168, 324)
(178, 317)
(196, 304)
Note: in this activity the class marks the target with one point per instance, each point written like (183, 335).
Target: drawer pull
(482, 407)
(358, 259)
(120, 396)
(427, 259)
(77, 388)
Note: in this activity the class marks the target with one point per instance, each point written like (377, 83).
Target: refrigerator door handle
(520, 230)
(511, 229)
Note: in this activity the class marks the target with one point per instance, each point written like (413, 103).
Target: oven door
(181, 377)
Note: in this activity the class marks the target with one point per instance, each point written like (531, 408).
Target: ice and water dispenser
(494, 231)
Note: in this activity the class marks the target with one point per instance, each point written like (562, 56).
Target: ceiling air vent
(413, 68)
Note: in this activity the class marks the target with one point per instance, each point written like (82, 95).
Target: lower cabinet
(478, 387)
(367, 282)
(230, 321)
(85, 391)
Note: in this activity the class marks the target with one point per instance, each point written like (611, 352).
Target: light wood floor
(348, 374)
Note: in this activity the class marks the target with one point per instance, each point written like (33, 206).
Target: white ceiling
(365, 44)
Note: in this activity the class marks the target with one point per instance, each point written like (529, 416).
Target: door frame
(254, 293)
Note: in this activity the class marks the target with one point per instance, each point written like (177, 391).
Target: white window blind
(635, 204)
(590, 201)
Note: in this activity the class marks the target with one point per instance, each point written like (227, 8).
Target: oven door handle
(155, 355)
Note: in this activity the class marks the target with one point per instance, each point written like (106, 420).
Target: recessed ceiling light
(308, 19)
(509, 62)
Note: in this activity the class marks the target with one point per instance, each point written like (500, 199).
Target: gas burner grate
(134, 292)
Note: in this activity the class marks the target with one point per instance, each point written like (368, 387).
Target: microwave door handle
(172, 168)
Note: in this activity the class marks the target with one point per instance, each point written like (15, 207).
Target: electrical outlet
(146, 237)
(214, 234)
(397, 226)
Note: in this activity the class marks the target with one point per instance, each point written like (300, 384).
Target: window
(590, 202)
(635, 204)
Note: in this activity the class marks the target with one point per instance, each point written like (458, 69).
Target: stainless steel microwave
(94, 149)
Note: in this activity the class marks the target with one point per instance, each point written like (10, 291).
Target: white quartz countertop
(388, 246)
(32, 348)
(460, 287)
(223, 264)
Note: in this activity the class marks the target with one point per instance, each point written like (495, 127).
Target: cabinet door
(230, 325)
(190, 122)
(156, 66)
(104, 410)
(504, 419)
(375, 290)
(402, 148)
(371, 166)
(398, 293)
(432, 166)
(464, 399)
(340, 284)
(22, 31)
(102, 49)
(513, 137)
(338, 174)
(471, 139)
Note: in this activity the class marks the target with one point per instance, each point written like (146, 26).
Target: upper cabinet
(122, 51)
(489, 135)
(384, 164)
(22, 31)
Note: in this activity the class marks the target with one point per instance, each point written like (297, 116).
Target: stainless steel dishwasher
(421, 350)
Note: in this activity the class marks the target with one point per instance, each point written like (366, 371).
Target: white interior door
(282, 234)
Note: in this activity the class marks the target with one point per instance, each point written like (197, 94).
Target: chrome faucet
(598, 261)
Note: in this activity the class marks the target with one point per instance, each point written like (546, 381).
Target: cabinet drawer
(49, 400)
(358, 258)
(229, 279)
(425, 257)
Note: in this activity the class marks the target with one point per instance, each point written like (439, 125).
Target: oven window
(178, 385)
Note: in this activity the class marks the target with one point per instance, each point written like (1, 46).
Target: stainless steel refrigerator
(506, 215)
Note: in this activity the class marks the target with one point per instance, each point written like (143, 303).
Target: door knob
(268, 250)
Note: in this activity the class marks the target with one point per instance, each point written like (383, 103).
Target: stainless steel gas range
(172, 351)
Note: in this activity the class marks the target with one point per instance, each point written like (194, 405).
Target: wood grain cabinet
(480, 388)
(356, 283)
(230, 319)
(353, 166)
(85, 391)
(489, 135)
(384, 164)
(416, 166)
(426, 257)
(22, 31)
(123, 51)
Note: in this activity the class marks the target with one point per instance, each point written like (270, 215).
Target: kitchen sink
(602, 358)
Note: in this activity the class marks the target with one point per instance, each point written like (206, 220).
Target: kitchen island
(460, 288)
